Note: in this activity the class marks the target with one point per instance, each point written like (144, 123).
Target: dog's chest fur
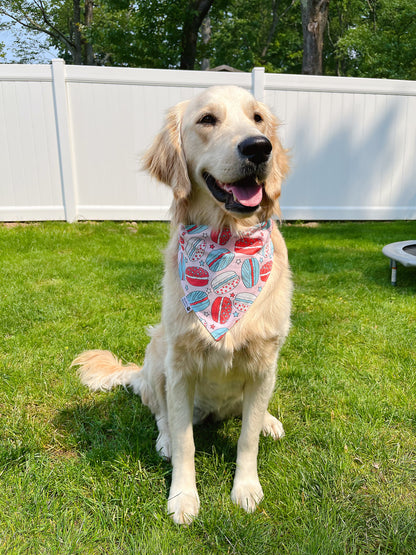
(219, 393)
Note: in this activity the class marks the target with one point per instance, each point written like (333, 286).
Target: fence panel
(352, 142)
(30, 181)
(71, 140)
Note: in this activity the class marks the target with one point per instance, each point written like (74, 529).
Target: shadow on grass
(107, 425)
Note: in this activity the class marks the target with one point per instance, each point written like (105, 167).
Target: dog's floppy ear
(280, 166)
(165, 159)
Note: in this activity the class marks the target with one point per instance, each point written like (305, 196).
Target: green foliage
(343, 15)
(148, 34)
(240, 30)
(382, 43)
(79, 471)
(144, 33)
(38, 26)
(369, 38)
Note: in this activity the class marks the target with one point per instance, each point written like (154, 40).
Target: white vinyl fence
(71, 138)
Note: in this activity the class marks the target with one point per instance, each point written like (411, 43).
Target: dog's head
(220, 154)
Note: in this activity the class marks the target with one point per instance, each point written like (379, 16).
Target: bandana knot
(222, 274)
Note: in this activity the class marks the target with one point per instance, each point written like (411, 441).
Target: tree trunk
(206, 37)
(76, 51)
(275, 19)
(81, 51)
(196, 13)
(89, 54)
(314, 19)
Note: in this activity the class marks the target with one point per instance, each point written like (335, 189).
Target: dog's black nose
(256, 149)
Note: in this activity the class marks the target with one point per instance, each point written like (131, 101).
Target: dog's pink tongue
(247, 195)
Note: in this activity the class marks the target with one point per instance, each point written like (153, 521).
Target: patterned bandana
(222, 274)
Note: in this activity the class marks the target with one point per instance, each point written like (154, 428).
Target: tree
(168, 33)
(62, 21)
(144, 33)
(276, 17)
(206, 37)
(195, 15)
(248, 33)
(342, 16)
(382, 41)
(165, 33)
(314, 19)
(148, 33)
(372, 38)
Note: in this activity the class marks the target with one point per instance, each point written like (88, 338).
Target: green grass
(79, 472)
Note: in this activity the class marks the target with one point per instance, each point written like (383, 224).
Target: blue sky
(7, 38)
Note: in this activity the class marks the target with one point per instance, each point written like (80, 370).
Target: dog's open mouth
(244, 195)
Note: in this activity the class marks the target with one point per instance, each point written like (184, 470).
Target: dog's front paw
(183, 506)
(272, 427)
(247, 494)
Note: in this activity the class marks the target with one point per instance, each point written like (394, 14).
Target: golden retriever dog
(226, 289)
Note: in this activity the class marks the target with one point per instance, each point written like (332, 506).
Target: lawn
(79, 471)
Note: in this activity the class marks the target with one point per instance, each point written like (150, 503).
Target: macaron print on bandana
(223, 274)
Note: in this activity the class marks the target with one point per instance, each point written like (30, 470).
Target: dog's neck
(222, 273)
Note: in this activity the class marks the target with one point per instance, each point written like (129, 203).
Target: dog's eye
(208, 119)
(258, 118)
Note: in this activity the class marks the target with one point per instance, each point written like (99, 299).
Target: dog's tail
(101, 370)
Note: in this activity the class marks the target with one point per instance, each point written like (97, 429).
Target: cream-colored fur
(186, 374)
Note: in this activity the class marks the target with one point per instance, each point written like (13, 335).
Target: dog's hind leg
(152, 388)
